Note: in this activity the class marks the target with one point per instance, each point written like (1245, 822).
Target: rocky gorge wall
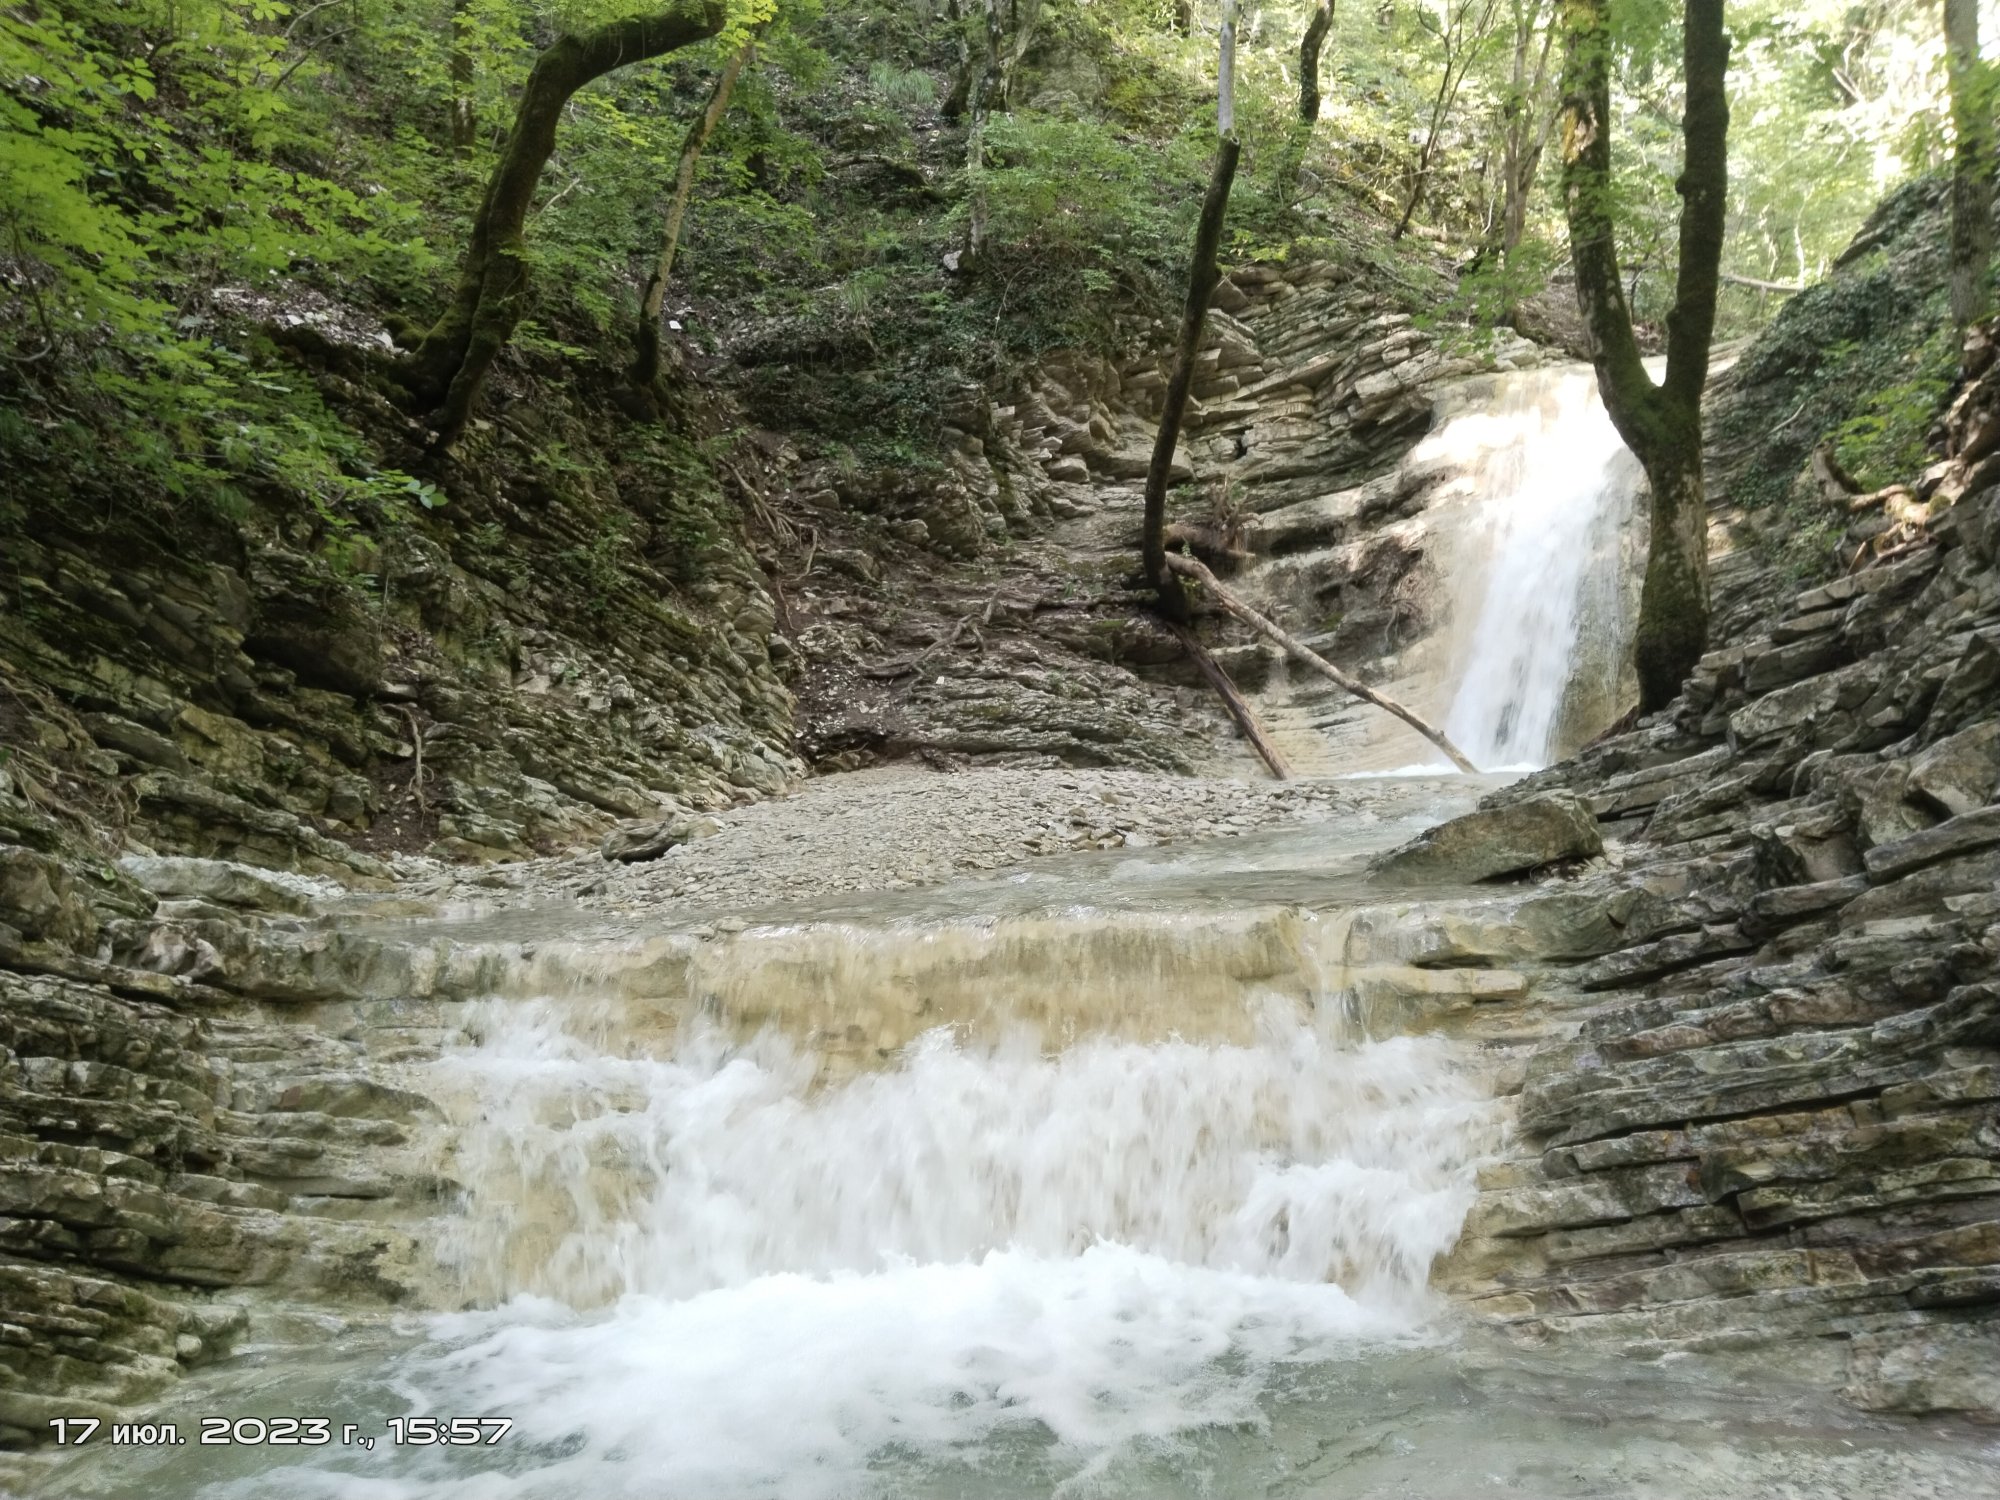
(1013, 628)
(1759, 1103)
(1774, 1115)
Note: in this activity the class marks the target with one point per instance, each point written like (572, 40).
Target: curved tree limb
(1192, 568)
(449, 367)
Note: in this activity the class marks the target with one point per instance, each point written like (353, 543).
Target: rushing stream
(1095, 1182)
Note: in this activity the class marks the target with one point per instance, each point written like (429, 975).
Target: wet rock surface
(1512, 838)
(1777, 1116)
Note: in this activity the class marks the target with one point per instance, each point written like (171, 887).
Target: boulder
(1939, 1367)
(217, 880)
(1504, 840)
(40, 900)
(1960, 835)
(648, 838)
(1959, 774)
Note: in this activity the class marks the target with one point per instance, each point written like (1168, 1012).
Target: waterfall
(1540, 571)
(701, 1267)
(592, 1176)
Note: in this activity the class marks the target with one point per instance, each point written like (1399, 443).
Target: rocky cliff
(1775, 1112)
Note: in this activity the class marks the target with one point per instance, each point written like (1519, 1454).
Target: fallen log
(1188, 567)
(1239, 710)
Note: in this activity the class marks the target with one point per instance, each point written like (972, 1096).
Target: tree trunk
(1239, 709)
(1660, 424)
(1462, 39)
(989, 92)
(1203, 273)
(1439, 106)
(1309, 46)
(464, 124)
(1526, 119)
(1292, 160)
(646, 365)
(962, 80)
(447, 370)
(1971, 164)
(1225, 75)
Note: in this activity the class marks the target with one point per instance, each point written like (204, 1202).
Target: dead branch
(1239, 710)
(417, 771)
(1189, 567)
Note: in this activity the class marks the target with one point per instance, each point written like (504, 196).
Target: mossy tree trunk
(1309, 50)
(1203, 274)
(1660, 423)
(449, 367)
(1972, 163)
(646, 361)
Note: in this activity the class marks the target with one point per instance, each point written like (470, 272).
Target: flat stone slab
(1968, 831)
(1497, 841)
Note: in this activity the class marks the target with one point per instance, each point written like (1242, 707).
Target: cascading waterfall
(592, 1176)
(732, 1282)
(1541, 568)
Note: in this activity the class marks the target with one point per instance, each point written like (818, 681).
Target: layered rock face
(162, 1138)
(1311, 388)
(1778, 1116)
(267, 708)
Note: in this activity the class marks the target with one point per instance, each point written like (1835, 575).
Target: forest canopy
(180, 178)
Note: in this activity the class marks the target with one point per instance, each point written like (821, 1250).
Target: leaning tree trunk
(646, 363)
(1661, 424)
(1309, 50)
(450, 365)
(1972, 164)
(1203, 274)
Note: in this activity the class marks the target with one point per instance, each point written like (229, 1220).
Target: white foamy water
(1540, 570)
(706, 1277)
(591, 1176)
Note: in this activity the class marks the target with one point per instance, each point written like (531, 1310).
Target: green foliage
(1080, 223)
(1860, 361)
(1887, 440)
(180, 178)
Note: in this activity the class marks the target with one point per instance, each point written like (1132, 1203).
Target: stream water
(1095, 1181)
